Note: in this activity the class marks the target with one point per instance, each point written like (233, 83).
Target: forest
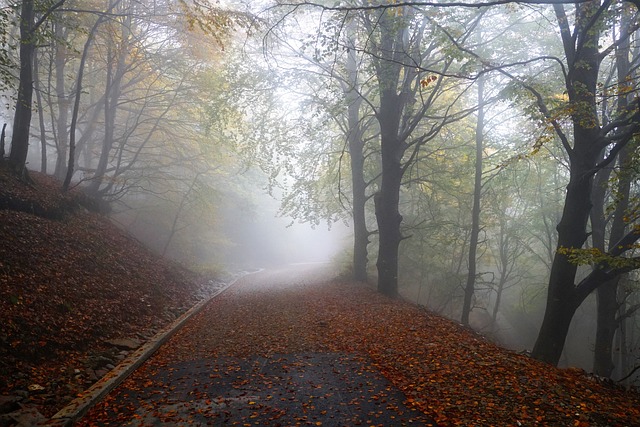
(482, 156)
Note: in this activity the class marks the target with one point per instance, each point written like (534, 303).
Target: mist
(440, 168)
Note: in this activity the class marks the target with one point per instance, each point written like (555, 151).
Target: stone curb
(71, 413)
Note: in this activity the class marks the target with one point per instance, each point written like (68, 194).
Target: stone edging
(71, 413)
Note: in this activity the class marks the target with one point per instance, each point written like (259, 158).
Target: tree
(405, 46)
(76, 104)
(615, 191)
(28, 41)
(355, 140)
(475, 210)
(590, 146)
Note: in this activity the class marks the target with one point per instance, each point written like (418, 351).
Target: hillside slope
(69, 282)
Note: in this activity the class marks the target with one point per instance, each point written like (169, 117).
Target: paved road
(221, 371)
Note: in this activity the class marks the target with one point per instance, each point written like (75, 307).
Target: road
(261, 354)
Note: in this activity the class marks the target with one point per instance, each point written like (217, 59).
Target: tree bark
(24, 101)
(358, 183)
(2, 138)
(76, 105)
(475, 212)
(22, 117)
(387, 200)
(115, 73)
(41, 121)
(361, 234)
(562, 296)
(607, 294)
(60, 59)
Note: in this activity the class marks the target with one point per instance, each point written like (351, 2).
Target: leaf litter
(446, 371)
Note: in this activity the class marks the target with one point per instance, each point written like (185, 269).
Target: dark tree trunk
(22, 117)
(2, 138)
(361, 234)
(389, 220)
(387, 200)
(110, 109)
(562, 296)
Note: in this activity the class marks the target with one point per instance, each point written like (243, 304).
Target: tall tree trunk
(359, 186)
(41, 121)
(387, 200)
(2, 138)
(115, 73)
(623, 343)
(563, 298)
(63, 101)
(356, 155)
(24, 101)
(607, 295)
(110, 102)
(475, 211)
(76, 105)
(389, 219)
(503, 267)
(22, 117)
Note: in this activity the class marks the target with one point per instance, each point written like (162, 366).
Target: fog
(250, 135)
(267, 239)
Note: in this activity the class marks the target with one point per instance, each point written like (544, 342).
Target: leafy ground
(69, 281)
(450, 373)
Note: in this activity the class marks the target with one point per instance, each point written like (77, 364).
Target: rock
(27, 416)
(96, 362)
(104, 360)
(101, 373)
(125, 343)
(91, 375)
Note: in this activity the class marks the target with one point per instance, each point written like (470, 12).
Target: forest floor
(264, 339)
(71, 284)
(76, 294)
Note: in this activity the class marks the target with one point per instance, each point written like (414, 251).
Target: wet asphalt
(300, 389)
